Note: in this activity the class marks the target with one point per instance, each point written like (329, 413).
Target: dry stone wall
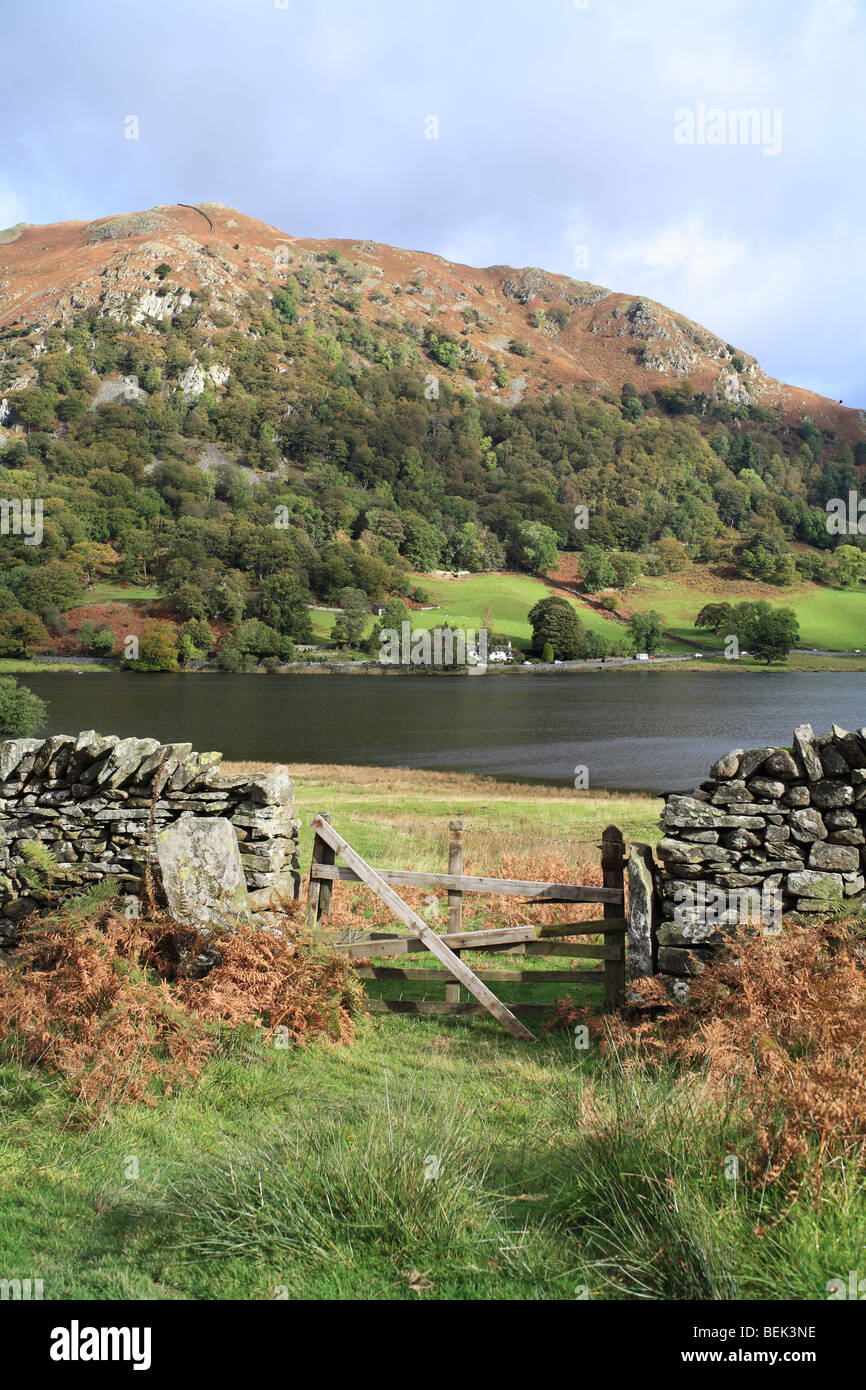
(97, 805)
(772, 830)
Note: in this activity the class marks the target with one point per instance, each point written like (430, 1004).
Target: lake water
(647, 730)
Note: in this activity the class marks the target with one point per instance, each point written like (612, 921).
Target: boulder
(735, 790)
(781, 764)
(797, 796)
(727, 766)
(852, 747)
(202, 874)
(832, 795)
(807, 825)
(12, 752)
(675, 960)
(833, 763)
(751, 760)
(766, 787)
(838, 858)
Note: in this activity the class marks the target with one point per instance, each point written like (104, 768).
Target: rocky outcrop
(127, 391)
(194, 380)
(99, 804)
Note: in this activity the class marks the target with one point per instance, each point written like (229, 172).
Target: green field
(13, 666)
(830, 619)
(302, 1175)
(464, 602)
(392, 812)
(121, 593)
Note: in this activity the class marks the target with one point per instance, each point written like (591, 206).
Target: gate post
(613, 876)
(643, 912)
(319, 891)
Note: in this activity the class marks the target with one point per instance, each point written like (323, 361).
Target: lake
(646, 730)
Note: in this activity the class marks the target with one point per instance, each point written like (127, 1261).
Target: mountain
(573, 333)
(245, 423)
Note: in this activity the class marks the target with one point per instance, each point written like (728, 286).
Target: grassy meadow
(829, 619)
(302, 1175)
(431, 1158)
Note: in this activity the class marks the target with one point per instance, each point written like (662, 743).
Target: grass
(399, 815)
(12, 665)
(830, 619)
(435, 1158)
(302, 1175)
(103, 592)
(464, 602)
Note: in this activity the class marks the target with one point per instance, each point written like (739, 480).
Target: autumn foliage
(779, 1024)
(114, 1004)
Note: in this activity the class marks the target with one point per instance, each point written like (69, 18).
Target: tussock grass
(560, 1171)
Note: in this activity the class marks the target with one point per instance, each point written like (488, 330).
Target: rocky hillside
(550, 331)
(231, 424)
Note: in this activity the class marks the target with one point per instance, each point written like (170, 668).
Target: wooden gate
(530, 940)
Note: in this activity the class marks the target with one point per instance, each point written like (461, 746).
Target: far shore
(714, 662)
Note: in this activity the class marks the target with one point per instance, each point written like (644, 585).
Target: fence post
(455, 900)
(319, 891)
(613, 876)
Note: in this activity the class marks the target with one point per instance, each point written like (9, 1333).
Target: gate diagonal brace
(403, 912)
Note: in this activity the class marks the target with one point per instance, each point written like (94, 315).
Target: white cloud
(684, 249)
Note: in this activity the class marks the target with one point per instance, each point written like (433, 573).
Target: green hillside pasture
(830, 619)
(464, 602)
(120, 593)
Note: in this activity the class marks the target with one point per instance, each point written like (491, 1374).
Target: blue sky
(556, 124)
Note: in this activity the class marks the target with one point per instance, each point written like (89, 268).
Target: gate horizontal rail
(529, 940)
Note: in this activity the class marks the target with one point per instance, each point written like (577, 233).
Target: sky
(596, 138)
